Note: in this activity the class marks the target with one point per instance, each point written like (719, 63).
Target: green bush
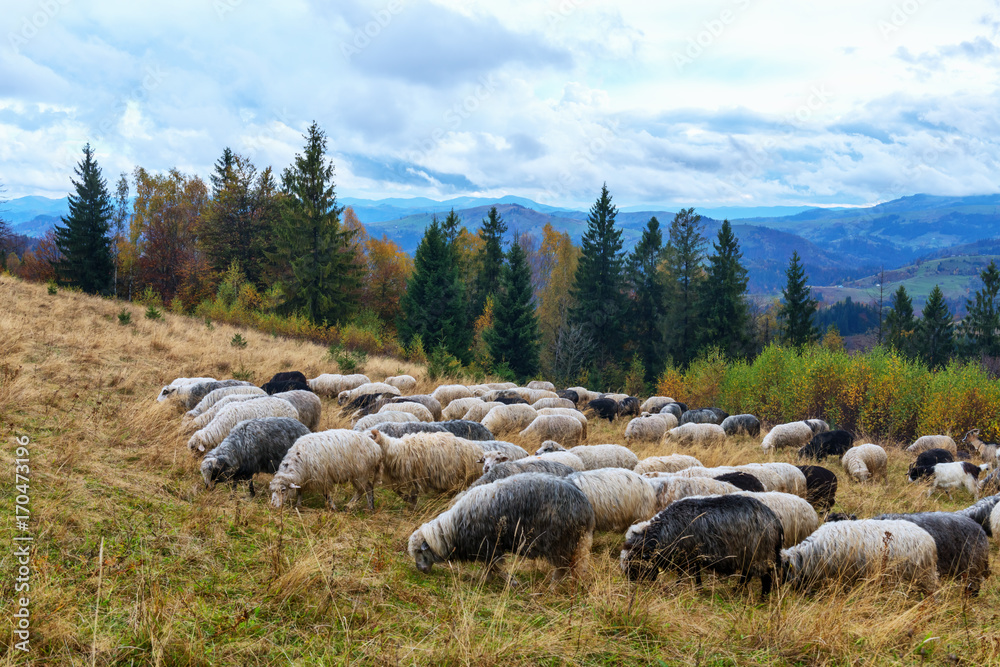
(442, 363)
(52, 287)
(153, 313)
(124, 317)
(238, 341)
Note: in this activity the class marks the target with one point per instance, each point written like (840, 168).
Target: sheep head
(550, 446)
(166, 393)
(421, 552)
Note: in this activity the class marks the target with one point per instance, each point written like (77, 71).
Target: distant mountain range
(837, 245)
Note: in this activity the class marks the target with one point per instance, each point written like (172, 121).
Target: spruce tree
(514, 336)
(222, 173)
(489, 263)
(685, 275)
(981, 326)
(797, 311)
(935, 336)
(725, 315)
(433, 306)
(598, 288)
(900, 325)
(323, 278)
(648, 298)
(83, 240)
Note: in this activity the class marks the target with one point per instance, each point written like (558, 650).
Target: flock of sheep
(757, 520)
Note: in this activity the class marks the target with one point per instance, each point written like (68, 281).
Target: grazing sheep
(512, 515)
(541, 384)
(404, 383)
(584, 394)
(320, 461)
(568, 459)
(614, 397)
(365, 404)
(368, 389)
(170, 390)
(561, 428)
(307, 403)
(962, 548)
(844, 552)
(425, 400)
(727, 534)
(926, 460)
(202, 420)
(743, 481)
(741, 425)
(701, 416)
(497, 466)
(509, 418)
(990, 484)
(865, 461)
(980, 512)
(989, 452)
(671, 487)
(926, 442)
(572, 412)
(509, 400)
(190, 395)
(447, 393)
(596, 456)
(778, 476)
(287, 381)
(253, 446)
(289, 376)
(688, 435)
(797, 516)
(619, 497)
(653, 404)
(629, 407)
(427, 463)
(948, 476)
(216, 430)
(647, 428)
(470, 430)
(792, 434)
(214, 397)
(418, 410)
(533, 395)
(331, 384)
(569, 395)
(399, 429)
(828, 443)
(675, 409)
(669, 463)
(604, 408)
(821, 487)
(817, 425)
(369, 422)
(500, 447)
(995, 521)
(553, 403)
(458, 407)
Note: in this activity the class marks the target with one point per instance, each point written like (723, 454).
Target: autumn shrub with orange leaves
(877, 394)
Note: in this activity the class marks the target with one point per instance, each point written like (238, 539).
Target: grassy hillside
(196, 578)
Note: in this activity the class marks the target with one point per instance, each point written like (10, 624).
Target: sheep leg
(252, 494)
(370, 494)
(766, 581)
(329, 502)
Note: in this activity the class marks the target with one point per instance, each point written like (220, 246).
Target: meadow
(135, 563)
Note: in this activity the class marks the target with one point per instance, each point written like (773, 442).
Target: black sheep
(674, 409)
(827, 443)
(743, 481)
(569, 395)
(821, 487)
(926, 460)
(701, 416)
(980, 512)
(510, 400)
(629, 407)
(289, 376)
(366, 403)
(279, 386)
(605, 408)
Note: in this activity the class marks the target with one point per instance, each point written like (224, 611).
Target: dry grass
(190, 577)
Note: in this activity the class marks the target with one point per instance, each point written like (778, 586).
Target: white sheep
(541, 384)
(687, 435)
(404, 383)
(596, 456)
(669, 463)
(925, 442)
(865, 461)
(320, 461)
(202, 420)
(995, 521)
(425, 400)
(427, 463)
(457, 408)
(797, 516)
(563, 457)
(348, 395)
(670, 487)
(331, 384)
(817, 425)
(648, 428)
(397, 416)
(309, 407)
(170, 390)
(477, 412)
(533, 395)
(653, 404)
(447, 393)
(216, 430)
(843, 552)
(418, 410)
(561, 428)
(778, 476)
(948, 476)
(509, 418)
(792, 434)
(543, 403)
(572, 412)
(212, 397)
(585, 395)
(619, 497)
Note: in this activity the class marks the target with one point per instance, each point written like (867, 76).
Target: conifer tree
(433, 306)
(323, 278)
(725, 315)
(935, 336)
(83, 238)
(648, 295)
(598, 288)
(981, 326)
(685, 276)
(900, 325)
(797, 310)
(490, 261)
(514, 336)
(222, 171)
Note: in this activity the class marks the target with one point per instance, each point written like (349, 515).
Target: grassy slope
(216, 578)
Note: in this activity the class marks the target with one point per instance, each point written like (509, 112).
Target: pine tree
(935, 336)
(451, 227)
(725, 315)
(981, 326)
(598, 287)
(83, 241)
(433, 306)
(685, 275)
(900, 325)
(223, 172)
(323, 280)
(514, 336)
(490, 261)
(648, 297)
(797, 310)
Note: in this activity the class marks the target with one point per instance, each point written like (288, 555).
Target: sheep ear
(294, 486)
(424, 546)
(201, 448)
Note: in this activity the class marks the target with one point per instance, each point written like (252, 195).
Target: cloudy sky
(708, 103)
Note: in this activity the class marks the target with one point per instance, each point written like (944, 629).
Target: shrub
(442, 363)
(415, 352)
(635, 380)
(52, 287)
(124, 317)
(153, 313)
(149, 297)
(238, 341)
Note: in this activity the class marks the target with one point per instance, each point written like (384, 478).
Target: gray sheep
(741, 425)
(308, 405)
(253, 446)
